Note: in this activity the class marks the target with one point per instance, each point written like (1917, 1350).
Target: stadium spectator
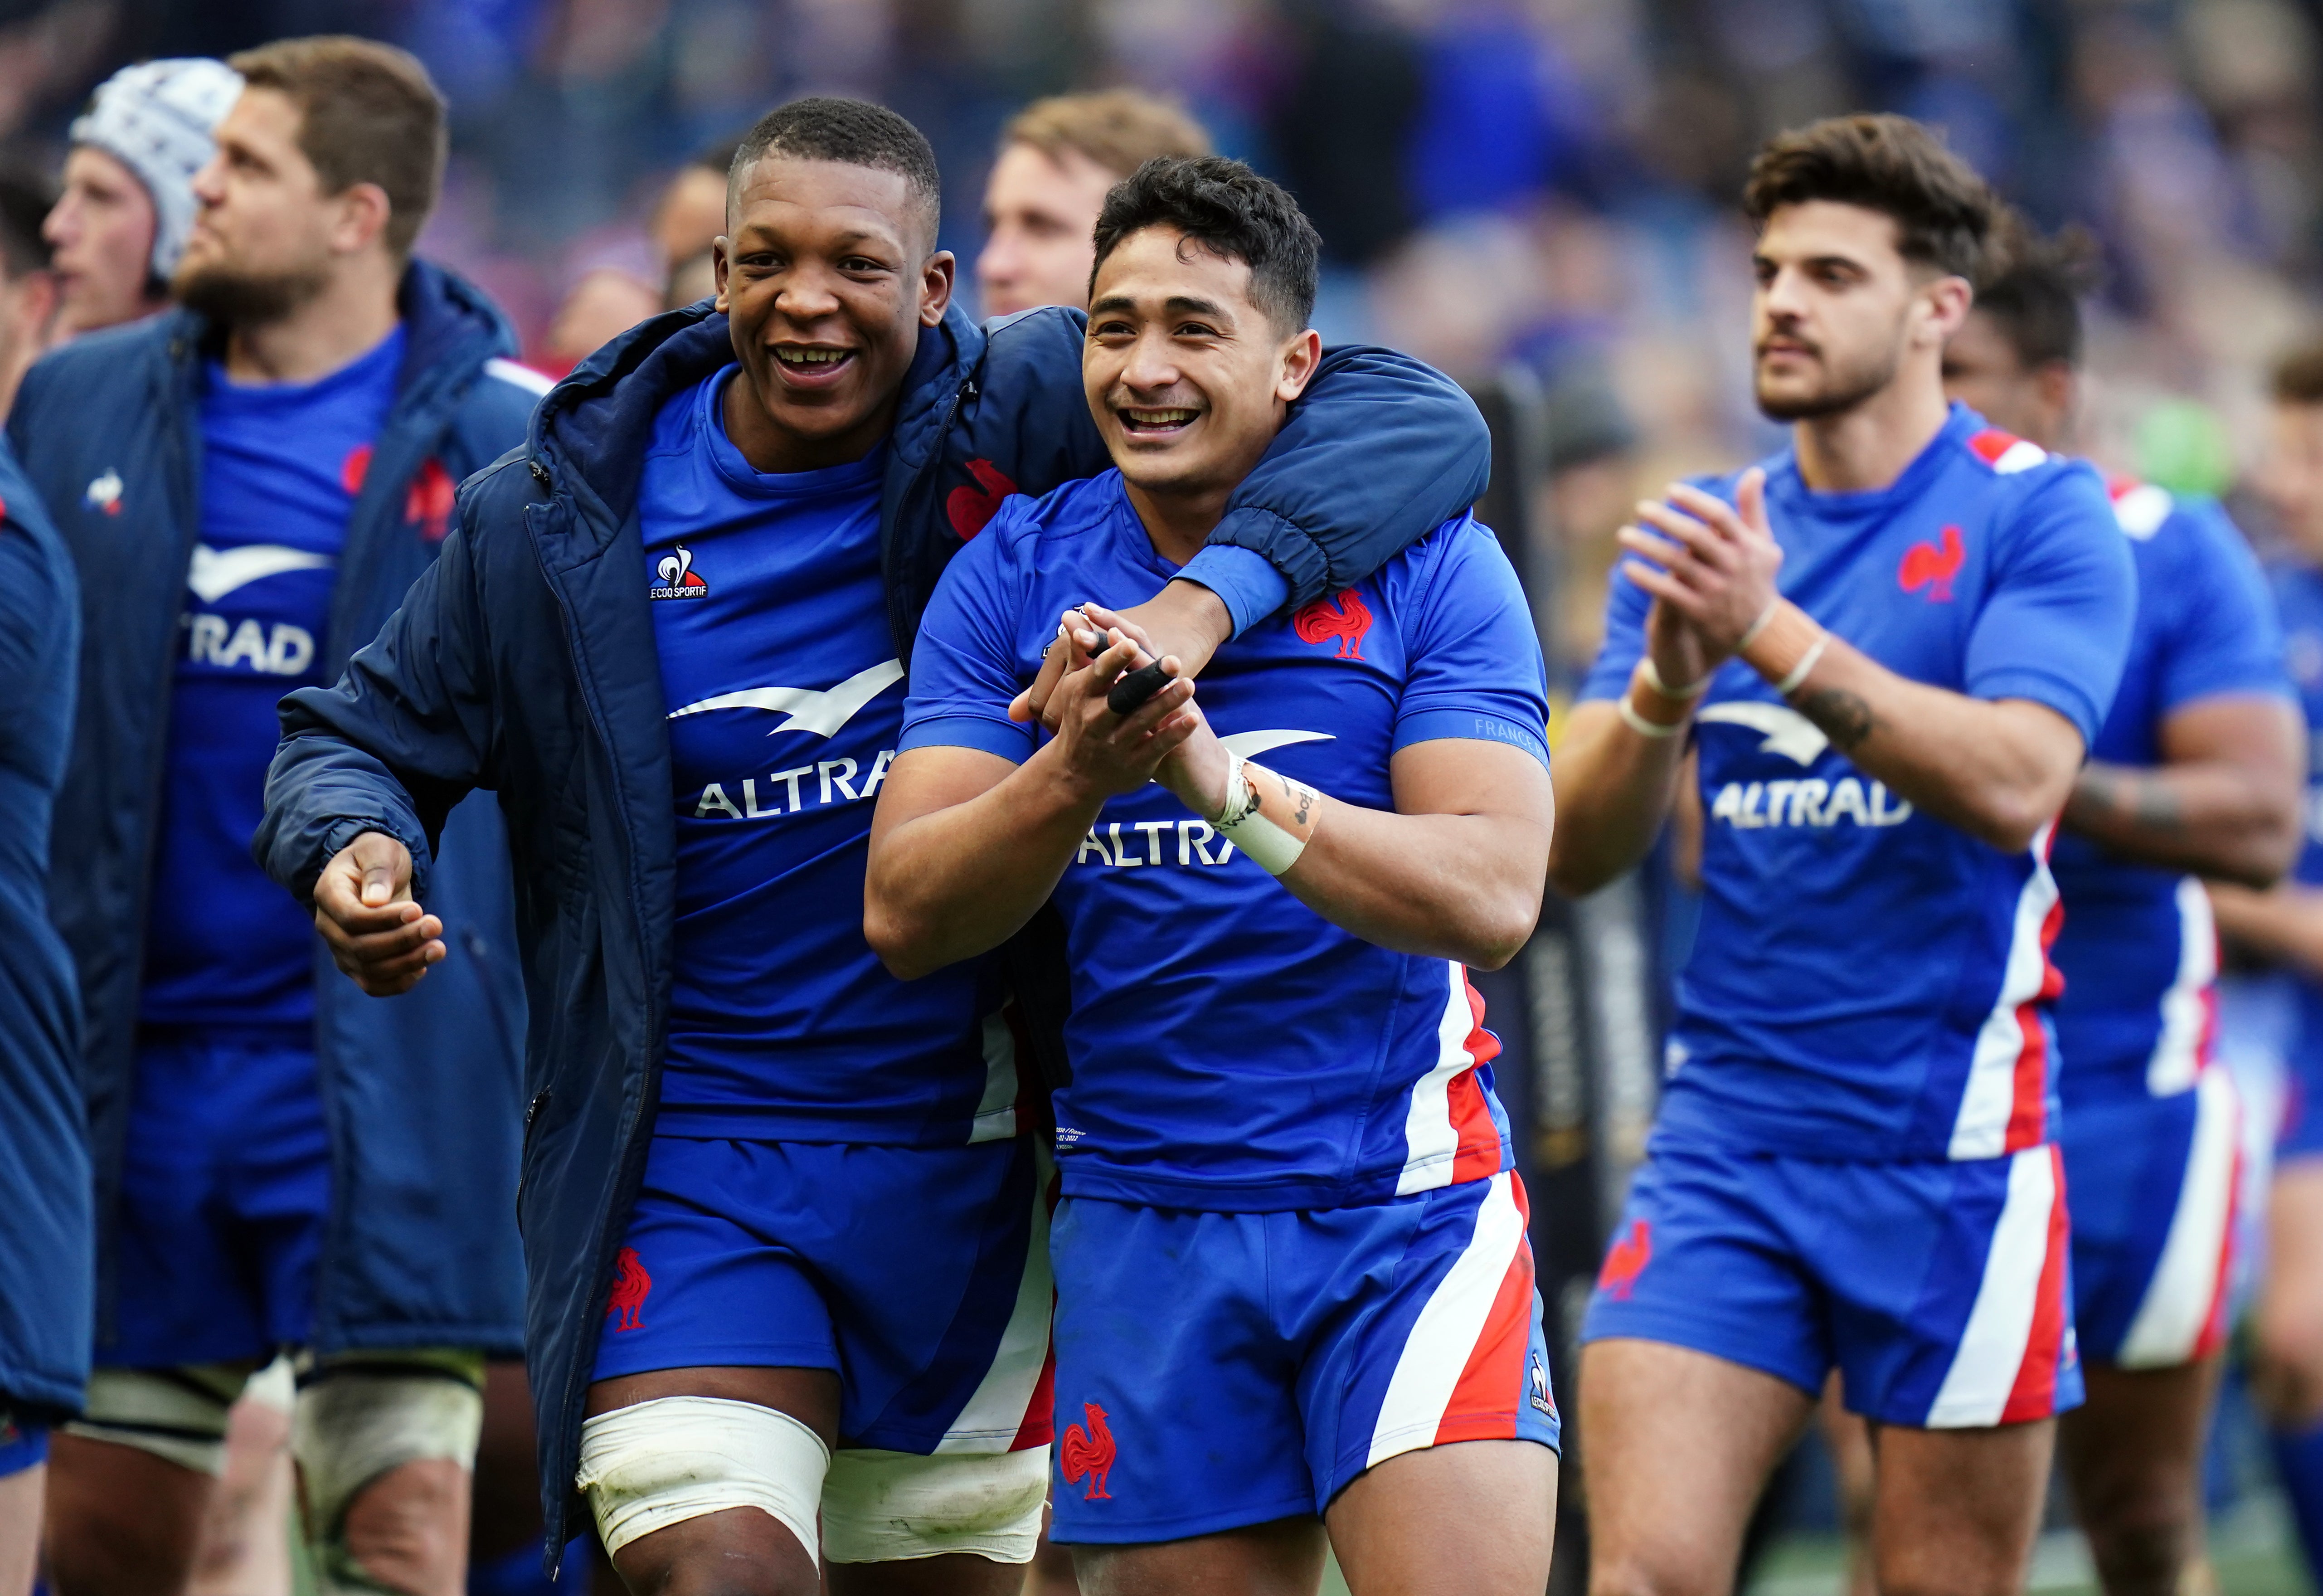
(2285, 925)
(128, 204)
(332, 390)
(27, 283)
(1058, 158)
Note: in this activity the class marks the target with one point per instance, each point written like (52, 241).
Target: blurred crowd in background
(1545, 187)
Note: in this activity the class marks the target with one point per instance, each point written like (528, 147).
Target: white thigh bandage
(656, 1464)
(888, 1506)
(178, 1415)
(350, 1427)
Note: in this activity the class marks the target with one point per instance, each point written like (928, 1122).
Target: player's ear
(1944, 304)
(1301, 355)
(719, 261)
(935, 287)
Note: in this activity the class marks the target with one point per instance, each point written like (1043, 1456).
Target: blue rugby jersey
(784, 699)
(2139, 952)
(281, 464)
(1231, 1049)
(1869, 982)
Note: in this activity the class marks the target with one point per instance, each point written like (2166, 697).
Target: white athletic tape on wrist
(1799, 672)
(656, 1464)
(350, 1426)
(1643, 726)
(1694, 689)
(1247, 820)
(892, 1507)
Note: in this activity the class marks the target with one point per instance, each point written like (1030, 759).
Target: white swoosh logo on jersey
(215, 573)
(1250, 745)
(821, 711)
(1787, 732)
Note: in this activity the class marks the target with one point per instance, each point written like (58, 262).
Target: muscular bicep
(924, 781)
(1464, 777)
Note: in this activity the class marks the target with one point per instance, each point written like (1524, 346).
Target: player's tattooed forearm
(2147, 804)
(1844, 716)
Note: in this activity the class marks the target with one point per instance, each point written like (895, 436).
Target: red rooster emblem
(1088, 1453)
(1626, 1260)
(629, 1287)
(1344, 619)
(1927, 566)
(427, 503)
(970, 508)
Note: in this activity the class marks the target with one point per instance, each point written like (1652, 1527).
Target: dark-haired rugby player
(2194, 773)
(1291, 1259)
(1882, 655)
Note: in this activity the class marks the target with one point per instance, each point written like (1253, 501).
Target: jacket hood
(596, 421)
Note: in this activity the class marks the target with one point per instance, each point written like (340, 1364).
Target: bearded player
(1880, 657)
(2194, 773)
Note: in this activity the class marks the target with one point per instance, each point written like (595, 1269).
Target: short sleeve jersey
(2139, 952)
(786, 696)
(1232, 1050)
(1867, 981)
(280, 466)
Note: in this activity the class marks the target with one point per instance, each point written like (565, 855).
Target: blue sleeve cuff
(1476, 725)
(1251, 588)
(1008, 738)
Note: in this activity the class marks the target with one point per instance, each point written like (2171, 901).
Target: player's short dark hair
(2298, 378)
(2034, 293)
(368, 113)
(1226, 207)
(854, 133)
(26, 198)
(1945, 215)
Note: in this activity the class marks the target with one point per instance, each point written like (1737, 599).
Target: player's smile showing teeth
(810, 364)
(1155, 419)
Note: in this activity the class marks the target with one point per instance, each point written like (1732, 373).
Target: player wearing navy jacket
(789, 1288)
(247, 485)
(1292, 1278)
(1879, 658)
(2195, 772)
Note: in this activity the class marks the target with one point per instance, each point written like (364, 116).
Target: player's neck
(345, 320)
(769, 446)
(1866, 447)
(1179, 524)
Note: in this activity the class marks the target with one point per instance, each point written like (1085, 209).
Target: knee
(2138, 1533)
(385, 1453)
